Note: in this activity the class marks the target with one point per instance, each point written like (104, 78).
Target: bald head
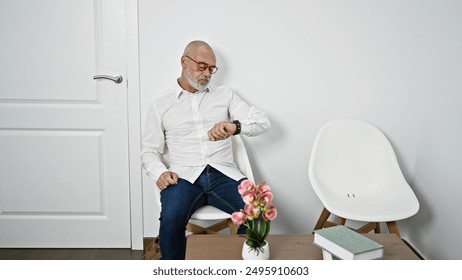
(197, 46)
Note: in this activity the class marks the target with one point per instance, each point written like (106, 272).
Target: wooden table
(282, 247)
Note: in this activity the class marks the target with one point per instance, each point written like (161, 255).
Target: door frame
(134, 124)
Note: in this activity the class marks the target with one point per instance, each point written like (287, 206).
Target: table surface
(283, 247)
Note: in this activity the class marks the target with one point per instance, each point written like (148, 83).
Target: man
(194, 122)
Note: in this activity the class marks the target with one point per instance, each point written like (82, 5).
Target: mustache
(205, 78)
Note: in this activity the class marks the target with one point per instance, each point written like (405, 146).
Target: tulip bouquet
(257, 213)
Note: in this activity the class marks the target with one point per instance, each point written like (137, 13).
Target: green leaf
(257, 233)
(250, 243)
(262, 229)
(267, 229)
(253, 235)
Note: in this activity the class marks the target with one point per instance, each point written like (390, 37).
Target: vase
(261, 253)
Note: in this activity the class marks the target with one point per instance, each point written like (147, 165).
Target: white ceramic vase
(249, 253)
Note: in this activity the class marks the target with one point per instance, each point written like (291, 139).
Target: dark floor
(71, 254)
(151, 252)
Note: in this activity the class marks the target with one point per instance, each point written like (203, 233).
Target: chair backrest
(354, 169)
(241, 159)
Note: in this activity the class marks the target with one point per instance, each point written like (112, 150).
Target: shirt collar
(178, 90)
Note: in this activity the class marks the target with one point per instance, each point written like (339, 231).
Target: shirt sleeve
(153, 145)
(253, 121)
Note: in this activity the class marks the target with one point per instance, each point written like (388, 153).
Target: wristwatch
(238, 127)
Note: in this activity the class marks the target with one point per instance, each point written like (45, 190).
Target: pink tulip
(270, 213)
(245, 185)
(238, 218)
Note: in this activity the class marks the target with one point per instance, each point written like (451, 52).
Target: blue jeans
(180, 201)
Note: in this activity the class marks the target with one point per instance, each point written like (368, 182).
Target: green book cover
(349, 239)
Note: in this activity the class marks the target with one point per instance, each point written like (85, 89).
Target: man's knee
(174, 217)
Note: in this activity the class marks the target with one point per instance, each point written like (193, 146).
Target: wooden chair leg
(195, 229)
(213, 229)
(323, 222)
(377, 227)
(151, 249)
(322, 219)
(367, 228)
(221, 225)
(232, 226)
(393, 228)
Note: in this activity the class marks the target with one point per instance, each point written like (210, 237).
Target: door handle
(116, 79)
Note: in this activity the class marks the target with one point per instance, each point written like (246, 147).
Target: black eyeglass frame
(201, 66)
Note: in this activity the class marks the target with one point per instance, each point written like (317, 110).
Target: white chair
(210, 213)
(354, 172)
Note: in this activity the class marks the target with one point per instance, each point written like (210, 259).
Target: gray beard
(195, 84)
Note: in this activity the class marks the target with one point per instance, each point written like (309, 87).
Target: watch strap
(238, 126)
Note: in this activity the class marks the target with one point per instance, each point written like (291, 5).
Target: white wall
(437, 180)
(308, 62)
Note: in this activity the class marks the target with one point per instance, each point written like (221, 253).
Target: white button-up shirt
(177, 125)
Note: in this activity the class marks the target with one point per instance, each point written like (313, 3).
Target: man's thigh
(181, 200)
(225, 195)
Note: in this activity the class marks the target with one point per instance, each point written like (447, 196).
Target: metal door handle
(117, 78)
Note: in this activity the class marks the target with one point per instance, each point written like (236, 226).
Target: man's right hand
(167, 179)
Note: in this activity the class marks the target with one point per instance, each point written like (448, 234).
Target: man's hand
(167, 179)
(221, 131)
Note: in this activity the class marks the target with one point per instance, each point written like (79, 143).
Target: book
(346, 244)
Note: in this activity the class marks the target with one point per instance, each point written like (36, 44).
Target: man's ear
(183, 62)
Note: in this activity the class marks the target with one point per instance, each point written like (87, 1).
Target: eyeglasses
(201, 66)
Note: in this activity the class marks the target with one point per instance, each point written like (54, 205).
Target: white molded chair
(208, 212)
(354, 172)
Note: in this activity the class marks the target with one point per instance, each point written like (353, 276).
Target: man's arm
(153, 144)
(251, 120)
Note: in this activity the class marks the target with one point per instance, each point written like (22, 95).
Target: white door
(63, 135)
